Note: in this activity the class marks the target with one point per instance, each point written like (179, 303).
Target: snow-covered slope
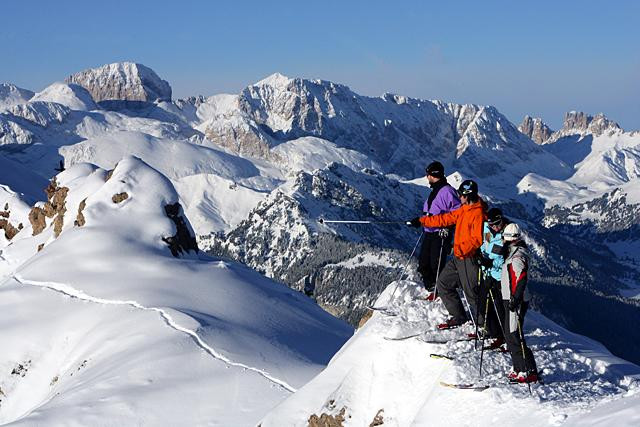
(119, 314)
(11, 95)
(310, 153)
(376, 381)
(71, 95)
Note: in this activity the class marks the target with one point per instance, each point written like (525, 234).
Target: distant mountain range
(254, 172)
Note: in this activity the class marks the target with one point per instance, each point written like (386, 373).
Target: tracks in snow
(75, 293)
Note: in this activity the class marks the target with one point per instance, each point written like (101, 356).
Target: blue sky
(540, 58)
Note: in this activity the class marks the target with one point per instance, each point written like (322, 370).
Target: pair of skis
(428, 340)
(482, 387)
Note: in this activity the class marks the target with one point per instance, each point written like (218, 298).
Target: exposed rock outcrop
(10, 230)
(37, 218)
(54, 207)
(365, 317)
(378, 420)
(123, 81)
(120, 197)
(535, 129)
(80, 219)
(183, 240)
(326, 420)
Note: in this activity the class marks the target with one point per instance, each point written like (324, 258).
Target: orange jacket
(468, 220)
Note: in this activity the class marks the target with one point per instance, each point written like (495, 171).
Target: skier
(463, 268)
(492, 260)
(436, 244)
(516, 302)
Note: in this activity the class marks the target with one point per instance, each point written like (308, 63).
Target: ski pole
(406, 265)
(464, 298)
(333, 221)
(495, 307)
(475, 343)
(524, 356)
(486, 315)
(435, 288)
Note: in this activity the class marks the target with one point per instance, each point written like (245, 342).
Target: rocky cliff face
(344, 266)
(123, 81)
(403, 134)
(576, 122)
(535, 129)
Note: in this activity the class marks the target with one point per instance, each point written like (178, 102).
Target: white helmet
(511, 232)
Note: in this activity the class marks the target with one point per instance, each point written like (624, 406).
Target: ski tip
(440, 356)
(476, 387)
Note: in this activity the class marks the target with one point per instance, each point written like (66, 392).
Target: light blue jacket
(491, 247)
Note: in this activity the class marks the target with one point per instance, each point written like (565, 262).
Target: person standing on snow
(463, 268)
(516, 302)
(436, 243)
(492, 261)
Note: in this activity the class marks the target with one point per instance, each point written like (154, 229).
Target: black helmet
(435, 169)
(468, 187)
(494, 216)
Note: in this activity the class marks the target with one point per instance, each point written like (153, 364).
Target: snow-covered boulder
(123, 81)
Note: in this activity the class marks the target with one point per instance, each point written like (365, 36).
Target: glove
(415, 222)
(486, 262)
(514, 303)
(443, 233)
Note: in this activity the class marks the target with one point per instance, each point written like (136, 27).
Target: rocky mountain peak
(585, 123)
(535, 129)
(126, 81)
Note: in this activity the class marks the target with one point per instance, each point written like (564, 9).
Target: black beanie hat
(494, 216)
(435, 169)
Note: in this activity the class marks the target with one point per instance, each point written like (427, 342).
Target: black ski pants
(516, 345)
(460, 273)
(433, 256)
(493, 307)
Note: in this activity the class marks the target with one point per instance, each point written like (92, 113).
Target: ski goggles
(495, 221)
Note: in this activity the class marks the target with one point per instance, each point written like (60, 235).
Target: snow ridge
(75, 293)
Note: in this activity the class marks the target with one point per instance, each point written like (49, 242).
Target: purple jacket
(445, 200)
